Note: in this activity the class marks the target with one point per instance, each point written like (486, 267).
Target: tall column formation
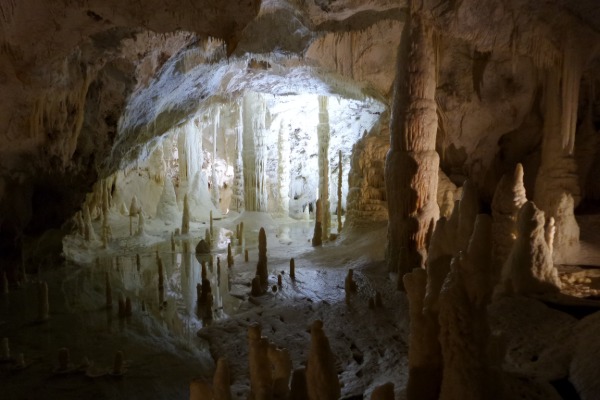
(283, 170)
(339, 194)
(189, 148)
(255, 152)
(557, 176)
(412, 164)
(215, 179)
(238, 166)
(323, 139)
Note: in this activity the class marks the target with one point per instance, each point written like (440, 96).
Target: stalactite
(339, 194)
(283, 170)
(412, 164)
(323, 136)
(255, 152)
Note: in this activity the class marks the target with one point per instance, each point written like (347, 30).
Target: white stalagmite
(141, 230)
(167, 209)
(529, 268)
(508, 199)
(255, 152)
(323, 136)
(134, 209)
(199, 201)
(189, 146)
(412, 163)
(215, 194)
(283, 170)
(185, 218)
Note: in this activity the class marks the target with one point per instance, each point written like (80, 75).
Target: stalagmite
(412, 164)
(173, 244)
(167, 209)
(134, 209)
(208, 238)
(255, 287)
(339, 194)
(383, 392)
(424, 353)
(246, 258)
(298, 387)
(279, 280)
(508, 199)
(215, 195)
(261, 380)
(43, 307)
(212, 232)
(222, 381)
(349, 285)
(557, 176)
(185, 219)
(281, 363)
(323, 139)
(108, 292)
(471, 370)
(255, 152)
(238, 166)
(261, 267)
(292, 268)
(468, 208)
(202, 247)
(318, 233)
(80, 223)
(283, 170)
(529, 268)
(141, 230)
(90, 235)
(229, 256)
(321, 376)
(241, 237)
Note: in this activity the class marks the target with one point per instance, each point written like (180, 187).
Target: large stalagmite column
(283, 170)
(255, 152)
(238, 167)
(215, 195)
(323, 139)
(189, 148)
(557, 177)
(411, 171)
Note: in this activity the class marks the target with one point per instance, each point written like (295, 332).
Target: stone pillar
(323, 139)
(283, 170)
(255, 152)
(238, 167)
(412, 163)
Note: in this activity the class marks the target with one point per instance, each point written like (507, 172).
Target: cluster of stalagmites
(473, 257)
(272, 375)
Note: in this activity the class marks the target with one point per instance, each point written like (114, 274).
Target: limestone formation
(221, 388)
(292, 269)
(261, 380)
(134, 209)
(508, 199)
(89, 235)
(229, 256)
(279, 280)
(167, 209)
(261, 266)
(317, 239)
(281, 370)
(121, 303)
(211, 231)
(566, 238)
(283, 170)
(349, 285)
(411, 172)
(208, 238)
(383, 392)
(298, 389)
(529, 268)
(246, 258)
(202, 247)
(323, 136)
(321, 375)
(43, 307)
(339, 194)
(185, 219)
(255, 152)
(256, 287)
(141, 223)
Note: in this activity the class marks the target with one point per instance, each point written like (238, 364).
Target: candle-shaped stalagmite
(185, 218)
(208, 238)
(246, 258)
(134, 209)
(212, 232)
(141, 223)
(339, 194)
(241, 237)
(261, 267)
(292, 268)
(222, 381)
(317, 239)
(204, 273)
(43, 307)
(279, 280)
(229, 256)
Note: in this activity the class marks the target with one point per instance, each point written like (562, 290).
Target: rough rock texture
(412, 162)
(323, 135)
(529, 267)
(321, 376)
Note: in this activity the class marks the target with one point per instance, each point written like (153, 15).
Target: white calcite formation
(529, 268)
(167, 209)
(283, 169)
(254, 152)
(508, 199)
(323, 140)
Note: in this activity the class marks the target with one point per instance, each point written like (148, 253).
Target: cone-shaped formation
(529, 267)
(167, 209)
(508, 200)
(349, 285)
(261, 267)
(141, 223)
(281, 363)
(241, 234)
(317, 239)
(222, 381)
(185, 218)
(321, 375)
(261, 380)
(134, 209)
(566, 239)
